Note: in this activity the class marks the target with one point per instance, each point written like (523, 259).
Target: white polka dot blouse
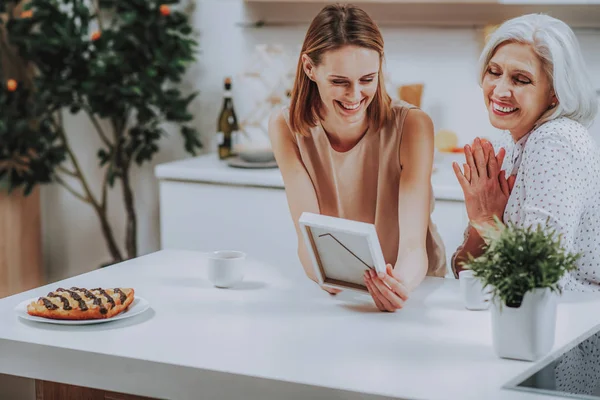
(557, 168)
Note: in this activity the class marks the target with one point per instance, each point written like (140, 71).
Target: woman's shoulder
(562, 126)
(401, 108)
(281, 115)
(406, 115)
(279, 125)
(563, 130)
(565, 136)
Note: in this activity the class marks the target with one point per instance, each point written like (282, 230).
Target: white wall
(444, 59)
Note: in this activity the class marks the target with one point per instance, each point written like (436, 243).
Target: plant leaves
(518, 259)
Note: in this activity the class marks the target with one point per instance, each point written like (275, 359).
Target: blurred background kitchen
(431, 46)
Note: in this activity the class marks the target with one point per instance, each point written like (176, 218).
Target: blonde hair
(336, 26)
(558, 49)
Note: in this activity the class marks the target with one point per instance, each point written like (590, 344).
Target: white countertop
(209, 169)
(272, 339)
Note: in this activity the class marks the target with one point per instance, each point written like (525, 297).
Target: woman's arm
(472, 240)
(472, 244)
(391, 289)
(299, 189)
(416, 161)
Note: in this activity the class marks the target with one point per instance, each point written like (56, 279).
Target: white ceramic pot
(527, 332)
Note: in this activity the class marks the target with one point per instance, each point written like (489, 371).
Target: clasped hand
(485, 186)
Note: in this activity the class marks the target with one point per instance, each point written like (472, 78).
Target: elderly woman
(536, 88)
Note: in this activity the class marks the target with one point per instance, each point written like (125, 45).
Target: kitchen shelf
(442, 13)
(444, 2)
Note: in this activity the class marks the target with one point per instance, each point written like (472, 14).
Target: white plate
(137, 306)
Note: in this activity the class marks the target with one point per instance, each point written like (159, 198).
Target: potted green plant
(523, 267)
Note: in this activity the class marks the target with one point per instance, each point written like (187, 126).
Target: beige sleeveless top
(362, 184)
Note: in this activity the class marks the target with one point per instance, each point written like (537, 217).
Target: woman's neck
(344, 136)
(519, 134)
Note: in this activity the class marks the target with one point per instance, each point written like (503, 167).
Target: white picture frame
(341, 250)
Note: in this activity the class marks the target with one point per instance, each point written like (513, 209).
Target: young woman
(345, 150)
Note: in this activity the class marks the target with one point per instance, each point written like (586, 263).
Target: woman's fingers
(480, 159)
(493, 167)
(471, 162)
(398, 289)
(500, 157)
(462, 180)
(467, 172)
(511, 182)
(488, 149)
(388, 295)
(330, 290)
(369, 284)
(375, 288)
(504, 183)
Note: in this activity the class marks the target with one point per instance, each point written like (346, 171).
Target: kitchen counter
(273, 338)
(209, 169)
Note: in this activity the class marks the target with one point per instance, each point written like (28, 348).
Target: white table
(272, 338)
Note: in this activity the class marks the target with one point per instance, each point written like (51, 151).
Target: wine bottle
(227, 125)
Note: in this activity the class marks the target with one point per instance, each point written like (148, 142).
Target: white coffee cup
(474, 295)
(226, 268)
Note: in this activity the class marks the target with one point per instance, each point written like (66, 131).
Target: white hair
(556, 45)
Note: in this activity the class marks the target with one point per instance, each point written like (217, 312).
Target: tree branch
(100, 210)
(67, 171)
(78, 171)
(98, 128)
(123, 162)
(73, 191)
(103, 204)
(97, 9)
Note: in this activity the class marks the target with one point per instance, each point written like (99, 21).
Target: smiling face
(516, 89)
(347, 80)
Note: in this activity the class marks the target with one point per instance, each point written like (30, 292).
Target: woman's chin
(352, 114)
(500, 123)
(353, 118)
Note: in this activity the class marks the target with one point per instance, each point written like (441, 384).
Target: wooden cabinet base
(45, 390)
(20, 242)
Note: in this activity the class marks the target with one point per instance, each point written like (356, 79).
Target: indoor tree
(117, 61)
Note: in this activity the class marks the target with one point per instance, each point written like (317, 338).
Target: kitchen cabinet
(452, 13)
(45, 390)
(21, 266)
(441, 2)
(208, 216)
(206, 205)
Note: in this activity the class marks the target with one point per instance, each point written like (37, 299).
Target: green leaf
(518, 259)
(129, 72)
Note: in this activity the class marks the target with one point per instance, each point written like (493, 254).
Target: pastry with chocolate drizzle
(80, 303)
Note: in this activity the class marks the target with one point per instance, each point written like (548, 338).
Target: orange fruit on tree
(11, 85)
(27, 14)
(164, 10)
(96, 35)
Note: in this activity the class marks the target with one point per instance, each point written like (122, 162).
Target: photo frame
(341, 250)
